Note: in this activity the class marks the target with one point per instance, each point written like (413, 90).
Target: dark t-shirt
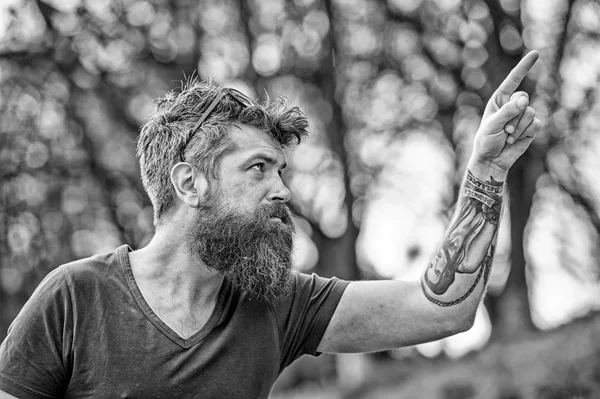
(88, 332)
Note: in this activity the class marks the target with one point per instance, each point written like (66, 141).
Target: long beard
(250, 250)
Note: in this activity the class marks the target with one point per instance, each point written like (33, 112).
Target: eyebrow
(268, 159)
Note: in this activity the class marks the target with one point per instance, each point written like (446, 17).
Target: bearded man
(210, 307)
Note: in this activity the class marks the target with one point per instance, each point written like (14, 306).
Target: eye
(260, 166)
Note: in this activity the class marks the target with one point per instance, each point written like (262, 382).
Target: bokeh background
(394, 91)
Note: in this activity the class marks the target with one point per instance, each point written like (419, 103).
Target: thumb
(508, 111)
(517, 94)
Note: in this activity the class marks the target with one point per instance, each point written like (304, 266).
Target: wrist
(486, 171)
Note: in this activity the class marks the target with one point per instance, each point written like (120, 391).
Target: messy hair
(162, 140)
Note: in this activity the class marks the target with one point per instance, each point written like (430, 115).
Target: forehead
(248, 141)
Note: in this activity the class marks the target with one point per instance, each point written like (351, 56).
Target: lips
(277, 213)
(280, 219)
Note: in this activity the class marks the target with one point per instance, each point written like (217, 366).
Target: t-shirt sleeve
(34, 356)
(304, 315)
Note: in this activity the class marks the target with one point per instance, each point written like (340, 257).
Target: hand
(508, 125)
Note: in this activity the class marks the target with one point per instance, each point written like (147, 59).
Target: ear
(191, 187)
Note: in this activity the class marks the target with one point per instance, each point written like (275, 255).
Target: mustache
(276, 210)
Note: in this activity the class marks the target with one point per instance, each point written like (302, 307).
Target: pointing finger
(516, 76)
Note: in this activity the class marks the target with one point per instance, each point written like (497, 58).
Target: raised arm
(378, 315)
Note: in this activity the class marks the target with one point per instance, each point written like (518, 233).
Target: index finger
(516, 76)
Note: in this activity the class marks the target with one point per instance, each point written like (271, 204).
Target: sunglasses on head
(237, 95)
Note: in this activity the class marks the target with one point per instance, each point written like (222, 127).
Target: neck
(174, 273)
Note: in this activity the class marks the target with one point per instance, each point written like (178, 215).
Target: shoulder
(309, 290)
(304, 314)
(94, 267)
(86, 277)
(315, 284)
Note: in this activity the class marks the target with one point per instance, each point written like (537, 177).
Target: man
(209, 308)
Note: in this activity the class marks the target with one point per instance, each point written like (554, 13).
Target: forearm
(377, 315)
(458, 272)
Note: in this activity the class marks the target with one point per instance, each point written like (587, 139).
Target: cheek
(246, 190)
(241, 196)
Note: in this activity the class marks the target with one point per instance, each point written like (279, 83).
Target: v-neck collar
(198, 336)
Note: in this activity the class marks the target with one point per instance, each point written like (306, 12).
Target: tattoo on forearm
(467, 249)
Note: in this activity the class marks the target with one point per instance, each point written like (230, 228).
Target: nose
(280, 193)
